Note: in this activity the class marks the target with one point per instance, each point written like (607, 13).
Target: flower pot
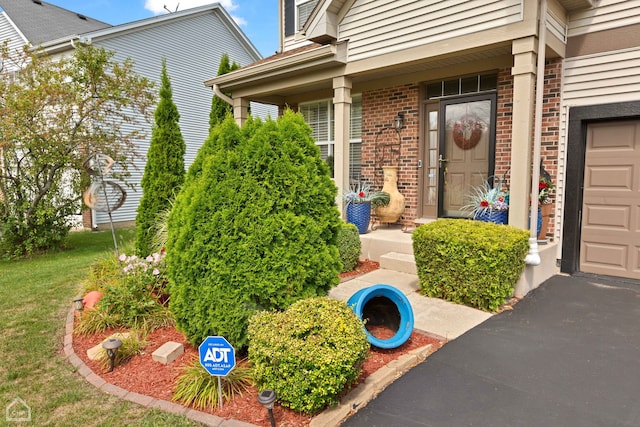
(394, 210)
(545, 214)
(359, 214)
(498, 217)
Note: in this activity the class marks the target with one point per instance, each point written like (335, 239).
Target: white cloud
(158, 6)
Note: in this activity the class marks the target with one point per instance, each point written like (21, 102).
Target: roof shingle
(40, 21)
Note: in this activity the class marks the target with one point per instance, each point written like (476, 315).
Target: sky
(258, 19)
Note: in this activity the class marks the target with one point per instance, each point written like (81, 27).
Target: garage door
(610, 240)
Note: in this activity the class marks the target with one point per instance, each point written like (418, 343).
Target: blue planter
(384, 305)
(359, 214)
(498, 217)
(539, 221)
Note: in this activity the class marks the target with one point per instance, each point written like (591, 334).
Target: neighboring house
(192, 41)
(463, 76)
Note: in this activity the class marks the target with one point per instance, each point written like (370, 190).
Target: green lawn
(35, 296)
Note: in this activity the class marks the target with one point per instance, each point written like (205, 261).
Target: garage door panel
(606, 216)
(609, 256)
(610, 233)
(610, 178)
(617, 136)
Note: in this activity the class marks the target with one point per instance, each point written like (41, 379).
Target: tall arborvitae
(164, 171)
(219, 108)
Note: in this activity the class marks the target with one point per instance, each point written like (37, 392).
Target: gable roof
(40, 21)
(61, 44)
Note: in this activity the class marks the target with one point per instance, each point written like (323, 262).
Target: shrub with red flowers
(486, 199)
(544, 190)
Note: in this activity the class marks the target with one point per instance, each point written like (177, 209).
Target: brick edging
(140, 399)
(355, 399)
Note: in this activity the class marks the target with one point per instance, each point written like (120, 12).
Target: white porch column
(524, 73)
(240, 110)
(342, 110)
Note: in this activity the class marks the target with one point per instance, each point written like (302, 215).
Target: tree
(53, 114)
(254, 228)
(219, 108)
(164, 171)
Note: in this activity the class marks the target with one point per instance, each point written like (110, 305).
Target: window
(296, 13)
(320, 116)
(464, 85)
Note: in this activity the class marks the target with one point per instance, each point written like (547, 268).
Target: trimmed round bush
(349, 246)
(254, 228)
(469, 262)
(308, 353)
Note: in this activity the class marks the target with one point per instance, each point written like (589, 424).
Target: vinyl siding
(609, 14)
(602, 78)
(9, 32)
(375, 27)
(556, 27)
(192, 47)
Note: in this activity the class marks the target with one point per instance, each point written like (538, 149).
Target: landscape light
(266, 399)
(111, 346)
(78, 304)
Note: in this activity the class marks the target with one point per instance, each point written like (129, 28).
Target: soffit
(571, 5)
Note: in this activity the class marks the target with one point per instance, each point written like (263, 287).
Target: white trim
(15, 27)
(54, 45)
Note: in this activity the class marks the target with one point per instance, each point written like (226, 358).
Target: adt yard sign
(217, 356)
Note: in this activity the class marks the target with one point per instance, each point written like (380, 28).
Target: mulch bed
(145, 376)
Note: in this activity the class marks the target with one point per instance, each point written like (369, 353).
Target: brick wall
(383, 146)
(379, 108)
(504, 114)
(551, 127)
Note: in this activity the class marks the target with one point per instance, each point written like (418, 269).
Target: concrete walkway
(431, 315)
(567, 355)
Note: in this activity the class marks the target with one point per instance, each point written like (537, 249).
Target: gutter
(219, 94)
(533, 257)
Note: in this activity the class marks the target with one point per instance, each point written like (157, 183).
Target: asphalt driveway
(567, 355)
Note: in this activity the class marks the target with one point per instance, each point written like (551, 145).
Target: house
(484, 90)
(192, 41)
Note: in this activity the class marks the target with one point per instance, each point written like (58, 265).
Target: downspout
(219, 94)
(533, 257)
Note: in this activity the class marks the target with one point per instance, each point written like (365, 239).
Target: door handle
(442, 160)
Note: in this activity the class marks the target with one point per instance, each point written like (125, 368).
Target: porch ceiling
(420, 69)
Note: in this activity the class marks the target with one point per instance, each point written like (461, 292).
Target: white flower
(156, 271)
(122, 257)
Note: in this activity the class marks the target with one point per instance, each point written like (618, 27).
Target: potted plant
(487, 203)
(360, 200)
(544, 203)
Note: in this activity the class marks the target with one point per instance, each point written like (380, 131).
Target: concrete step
(397, 261)
(377, 243)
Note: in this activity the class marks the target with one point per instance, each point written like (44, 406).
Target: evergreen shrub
(164, 170)
(308, 353)
(254, 228)
(469, 262)
(349, 246)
